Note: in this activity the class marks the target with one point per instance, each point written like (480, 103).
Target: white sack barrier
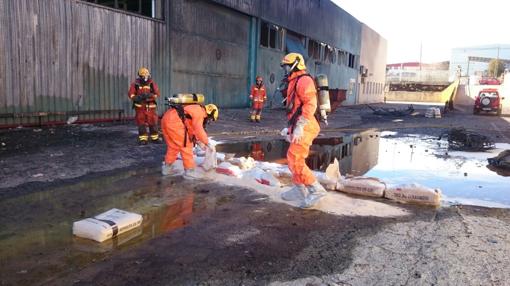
(107, 225)
(332, 175)
(363, 186)
(262, 177)
(210, 160)
(228, 169)
(243, 163)
(414, 193)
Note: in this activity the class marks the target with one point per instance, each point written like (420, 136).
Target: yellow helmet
(143, 72)
(295, 61)
(212, 111)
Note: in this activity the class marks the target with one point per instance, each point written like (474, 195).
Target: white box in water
(107, 225)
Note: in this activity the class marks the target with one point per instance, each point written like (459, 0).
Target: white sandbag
(220, 156)
(269, 179)
(414, 193)
(228, 169)
(243, 162)
(107, 225)
(363, 186)
(329, 178)
(262, 177)
(210, 161)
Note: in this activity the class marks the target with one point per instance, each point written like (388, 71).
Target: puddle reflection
(464, 177)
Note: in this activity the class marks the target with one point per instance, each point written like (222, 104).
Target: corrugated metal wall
(61, 56)
(210, 52)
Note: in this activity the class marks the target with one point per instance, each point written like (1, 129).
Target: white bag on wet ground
(363, 186)
(414, 193)
(107, 225)
(228, 169)
(262, 177)
(210, 159)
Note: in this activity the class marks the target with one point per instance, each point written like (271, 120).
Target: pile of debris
(463, 140)
(501, 161)
(392, 111)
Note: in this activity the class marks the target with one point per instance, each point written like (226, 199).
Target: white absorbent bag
(210, 160)
(228, 169)
(107, 225)
(414, 193)
(363, 186)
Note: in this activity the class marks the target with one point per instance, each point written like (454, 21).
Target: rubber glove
(299, 130)
(211, 144)
(285, 133)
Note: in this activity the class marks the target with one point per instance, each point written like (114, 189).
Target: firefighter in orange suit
(182, 126)
(303, 127)
(144, 93)
(257, 97)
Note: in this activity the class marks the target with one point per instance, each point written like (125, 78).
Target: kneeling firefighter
(182, 126)
(144, 92)
(303, 127)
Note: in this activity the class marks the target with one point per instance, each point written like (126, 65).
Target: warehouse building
(63, 58)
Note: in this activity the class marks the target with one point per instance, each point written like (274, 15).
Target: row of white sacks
(268, 174)
(115, 222)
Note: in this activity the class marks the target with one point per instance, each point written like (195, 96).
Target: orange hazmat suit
(302, 96)
(180, 136)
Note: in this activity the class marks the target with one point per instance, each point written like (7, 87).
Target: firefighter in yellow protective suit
(303, 127)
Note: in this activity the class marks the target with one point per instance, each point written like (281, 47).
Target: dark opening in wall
(342, 55)
(352, 61)
(271, 36)
(329, 54)
(148, 8)
(314, 49)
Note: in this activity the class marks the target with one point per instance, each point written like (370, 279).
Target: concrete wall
(372, 57)
(424, 96)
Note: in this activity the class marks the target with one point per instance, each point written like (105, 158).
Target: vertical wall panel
(70, 56)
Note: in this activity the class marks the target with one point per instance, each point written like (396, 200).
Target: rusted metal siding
(71, 56)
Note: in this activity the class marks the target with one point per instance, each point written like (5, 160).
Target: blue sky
(436, 25)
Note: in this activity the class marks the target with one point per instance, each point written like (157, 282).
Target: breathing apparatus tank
(186, 98)
(323, 91)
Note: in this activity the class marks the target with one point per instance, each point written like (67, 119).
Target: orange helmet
(258, 78)
(143, 72)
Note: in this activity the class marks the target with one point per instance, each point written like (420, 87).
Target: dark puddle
(36, 241)
(463, 177)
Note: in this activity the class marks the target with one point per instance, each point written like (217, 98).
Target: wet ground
(202, 233)
(463, 177)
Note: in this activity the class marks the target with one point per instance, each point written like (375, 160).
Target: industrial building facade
(64, 58)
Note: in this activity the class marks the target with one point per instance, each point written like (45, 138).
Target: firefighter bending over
(144, 92)
(182, 126)
(303, 127)
(257, 96)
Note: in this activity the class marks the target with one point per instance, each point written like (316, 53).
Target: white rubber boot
(170, 170)
(296, 193)
(317, 192)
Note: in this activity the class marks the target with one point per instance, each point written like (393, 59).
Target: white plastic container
(414, 193)
(107, 225)
(363, 186)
